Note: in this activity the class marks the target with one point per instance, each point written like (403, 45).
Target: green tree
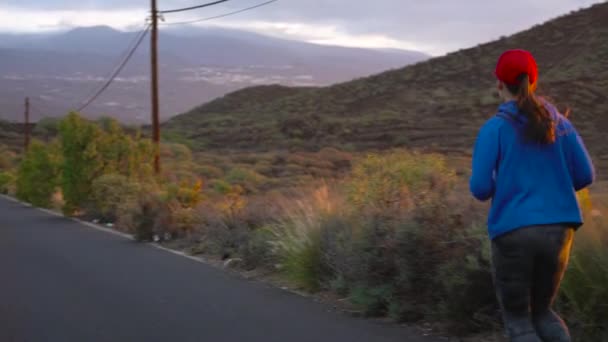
(115, 148)
(37, 175)
(81, 160)
(7, 180)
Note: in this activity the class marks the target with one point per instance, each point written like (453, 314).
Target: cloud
(22, 20)
(434, 26)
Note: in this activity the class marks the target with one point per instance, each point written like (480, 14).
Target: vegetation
(6, 182)
(396, 236)
(37, 175)
(584, 291)
(8, 161)
(307, 184)
(436, 105)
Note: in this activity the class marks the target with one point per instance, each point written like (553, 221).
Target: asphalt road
(63, 281)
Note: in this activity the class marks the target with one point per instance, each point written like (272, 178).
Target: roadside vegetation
(393, 234)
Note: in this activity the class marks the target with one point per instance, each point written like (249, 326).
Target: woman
(530, 161)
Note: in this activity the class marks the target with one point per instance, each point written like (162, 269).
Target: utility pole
(26, 142)
(154, 82)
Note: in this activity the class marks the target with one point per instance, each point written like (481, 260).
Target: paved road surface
(62, 281)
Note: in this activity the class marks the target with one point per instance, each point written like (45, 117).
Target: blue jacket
(529, 184)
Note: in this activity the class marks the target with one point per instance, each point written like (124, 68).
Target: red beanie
(514, 63)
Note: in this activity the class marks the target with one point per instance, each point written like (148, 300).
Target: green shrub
(81, 160)
(7, 158)
(108, 193)
(298, 247)
(184, 195)
(146, 216)
(373, 301)
(584, 291)
(257, 251)
(248, 179)
(7, 181)
(221, 187)
(298, 240)
(37, 175)
(397, 179)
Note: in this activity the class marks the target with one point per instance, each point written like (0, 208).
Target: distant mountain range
(59, 70)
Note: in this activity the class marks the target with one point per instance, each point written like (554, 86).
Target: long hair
(540, 127)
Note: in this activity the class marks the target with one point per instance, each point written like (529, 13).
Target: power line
(221, 15)
(117, 71)
(119, 61)
(193, 7)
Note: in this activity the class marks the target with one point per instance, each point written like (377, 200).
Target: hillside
(437, 105)
(59, 70)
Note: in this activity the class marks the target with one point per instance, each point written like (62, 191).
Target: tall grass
(585, 286)
(402, 238)
(396, 238)
(297, 238)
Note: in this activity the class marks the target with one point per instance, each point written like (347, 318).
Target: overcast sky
(432, 26)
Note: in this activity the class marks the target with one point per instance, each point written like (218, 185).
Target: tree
(38, 174)
(81, 160)
(114, 148)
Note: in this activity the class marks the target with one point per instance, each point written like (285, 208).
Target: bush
(298, 239)
(7, 158)
(298, 247)
(37, 175)
(397, 180)
(7, 181)
(221, 187)
(247, 179)
(401, 241)
(222, 235)
(81, 160)
(185, 195)
(146, 216)
(184, 221)
(584, 291)
(109, 193)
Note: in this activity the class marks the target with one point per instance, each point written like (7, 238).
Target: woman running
(530, 161)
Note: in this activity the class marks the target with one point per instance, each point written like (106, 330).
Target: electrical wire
(119, 61)
(117, 70)
(193, 7)
(221, 15)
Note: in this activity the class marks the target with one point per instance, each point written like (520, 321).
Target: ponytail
(540, 128)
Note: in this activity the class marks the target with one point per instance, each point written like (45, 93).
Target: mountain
(59, 70)
(437, 105)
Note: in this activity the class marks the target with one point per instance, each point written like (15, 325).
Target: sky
(431, 26)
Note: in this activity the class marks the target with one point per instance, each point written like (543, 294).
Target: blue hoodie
(529, 184)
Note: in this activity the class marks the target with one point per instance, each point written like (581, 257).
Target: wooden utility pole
(26, 142)
(154, 82)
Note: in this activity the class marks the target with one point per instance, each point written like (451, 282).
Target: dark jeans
(529, 264)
